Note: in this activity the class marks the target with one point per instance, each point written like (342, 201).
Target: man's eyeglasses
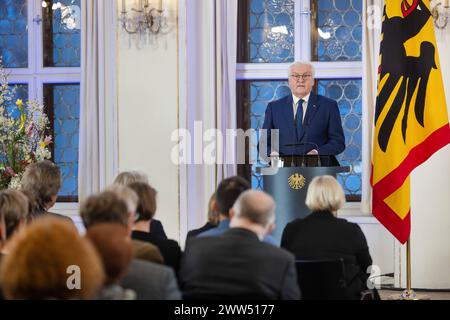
(297, 77)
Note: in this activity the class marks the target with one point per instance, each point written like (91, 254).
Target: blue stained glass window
(339, 29)
(66, 108)
(348, 94)
(18, 91)
(271, 31)
(14, 33)
(62, 32)
(261, 93)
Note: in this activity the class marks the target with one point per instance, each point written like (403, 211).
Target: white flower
(16, 181)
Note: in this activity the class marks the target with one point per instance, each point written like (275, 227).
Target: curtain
(98, 130)
(226, 33)
(373, 12)
(210, 80)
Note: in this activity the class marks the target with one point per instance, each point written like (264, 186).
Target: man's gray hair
(125, 194)
(43, 180)
(304, 63)
(255, 206)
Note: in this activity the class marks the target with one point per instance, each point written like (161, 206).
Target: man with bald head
(238, 264)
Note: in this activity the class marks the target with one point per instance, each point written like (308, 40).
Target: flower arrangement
(23, 139)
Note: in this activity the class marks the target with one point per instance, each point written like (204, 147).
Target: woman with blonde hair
(322, 235)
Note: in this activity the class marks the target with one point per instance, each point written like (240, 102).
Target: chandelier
(441, 13)
(144, 19)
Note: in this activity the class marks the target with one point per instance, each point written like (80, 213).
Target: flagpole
(408, 293)
(408, 266)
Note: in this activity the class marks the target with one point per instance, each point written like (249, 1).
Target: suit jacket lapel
(288, 111)
(312, 108)
(288, 115)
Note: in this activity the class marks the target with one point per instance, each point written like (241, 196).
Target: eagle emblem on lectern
(296, 181)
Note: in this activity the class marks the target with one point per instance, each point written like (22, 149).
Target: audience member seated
(146, 209)
(14, 208)
(43, 180)
(213, 219)
(237, 264)
(49, 260)
(322, 235)
(125, 179)
(115, 249)
(118, 205)
(31, 204)
(226, 194)
(2, 233)
(149, 280)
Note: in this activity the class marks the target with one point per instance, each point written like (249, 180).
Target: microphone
(315, 145)
(306, 141)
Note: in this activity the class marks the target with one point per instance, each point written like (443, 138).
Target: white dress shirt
(305, 105)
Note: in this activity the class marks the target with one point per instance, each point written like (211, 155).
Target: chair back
(322, 279)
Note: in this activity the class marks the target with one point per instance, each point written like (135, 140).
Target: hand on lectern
(313, 152)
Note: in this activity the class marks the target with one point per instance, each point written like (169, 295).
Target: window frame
(36, 75)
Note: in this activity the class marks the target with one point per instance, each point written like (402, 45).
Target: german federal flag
(411, 120)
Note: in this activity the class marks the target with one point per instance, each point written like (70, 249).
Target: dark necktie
(299, 115)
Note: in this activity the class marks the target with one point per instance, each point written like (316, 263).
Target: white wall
(430, 204)
(148, 114)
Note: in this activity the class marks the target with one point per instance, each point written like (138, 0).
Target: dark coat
(237, 265)
(157, 229)
(323, 236)
(196, 232)
(170, 250)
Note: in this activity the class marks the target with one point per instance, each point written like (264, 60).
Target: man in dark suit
(238, 264)
(304, 118)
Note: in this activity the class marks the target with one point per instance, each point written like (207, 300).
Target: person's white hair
(125, 194)
(302, 63)
(256, 206)
(325, 194)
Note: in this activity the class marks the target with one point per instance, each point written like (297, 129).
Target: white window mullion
(303, 18)
(39, 52)
(34, 20)
(297, 30)
(59, 70)
(338, 70)
(51, 79)
(248, 71)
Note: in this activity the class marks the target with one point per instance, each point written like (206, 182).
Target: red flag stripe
(418, 155)
(399, 228)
